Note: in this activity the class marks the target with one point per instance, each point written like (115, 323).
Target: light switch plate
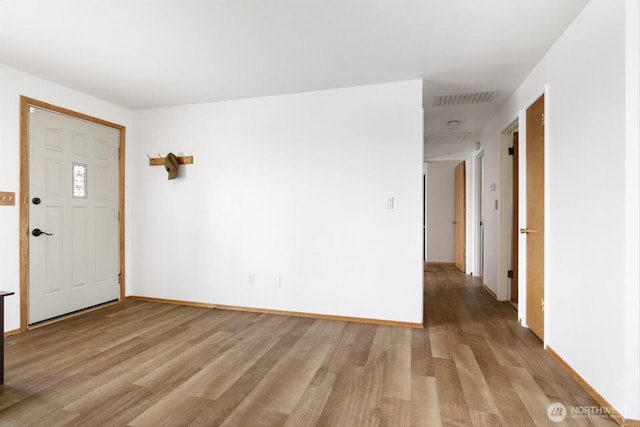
(389, 202)
(7, 198)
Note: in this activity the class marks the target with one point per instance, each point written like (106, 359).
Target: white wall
(14, 83)
(584, 74)
(632, 232)
(440, 210)
(293, 187)
(472, 219)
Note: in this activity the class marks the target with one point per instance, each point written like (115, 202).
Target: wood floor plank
(340, 354)
(108, 388)
(175, 409)
(118, 408)
(397, 380)
(475, 388)
(440, 344)
(492, 372)
(421, 360)
(507, 356)
(104, 361)
(225, 370)
(482, 419)
(425, 407)
(356, 398)
(57, 417)
(362, 345)
(68, 389)
(222, 407)
(530, 394)
(453, 406)
(310, 406)
(281, 388)
(33, 411)
(182, 395)
(10, 395)
(286, 383)
(395, 412)
(393, 345)
(512, 410)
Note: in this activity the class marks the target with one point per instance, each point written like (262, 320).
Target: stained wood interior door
(514, 234)
(460, 218)
(534, 228)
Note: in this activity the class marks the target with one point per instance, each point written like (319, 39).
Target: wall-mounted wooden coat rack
(159, 161)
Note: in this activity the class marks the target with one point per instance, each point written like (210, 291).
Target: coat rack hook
(159, 161)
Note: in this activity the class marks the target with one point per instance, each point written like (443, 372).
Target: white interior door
(73, 201)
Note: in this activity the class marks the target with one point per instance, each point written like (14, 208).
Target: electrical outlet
(7, 198)
(278, 282)
(252, 280)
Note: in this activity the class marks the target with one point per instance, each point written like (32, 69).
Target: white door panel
(73, 170)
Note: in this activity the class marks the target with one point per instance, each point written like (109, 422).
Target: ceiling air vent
(464, 98)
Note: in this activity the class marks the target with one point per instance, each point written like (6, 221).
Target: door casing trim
(506, 215)
(25, 103)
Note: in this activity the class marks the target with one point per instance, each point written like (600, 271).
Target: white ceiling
(152, 53)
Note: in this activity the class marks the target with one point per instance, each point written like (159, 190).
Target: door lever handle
(527, 231)
(37, 232)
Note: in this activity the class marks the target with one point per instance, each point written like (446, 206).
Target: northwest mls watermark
(558, 412)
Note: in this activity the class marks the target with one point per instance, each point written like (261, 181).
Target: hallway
(143, 363)
(488, 369)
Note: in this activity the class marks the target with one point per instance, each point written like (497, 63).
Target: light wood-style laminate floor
(149, 364)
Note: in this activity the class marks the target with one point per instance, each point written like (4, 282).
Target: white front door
(73, 214)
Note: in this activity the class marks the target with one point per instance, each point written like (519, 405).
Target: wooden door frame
(515, 208)
(25, 103)
(460, 223)
(479, 207)
(506, 214)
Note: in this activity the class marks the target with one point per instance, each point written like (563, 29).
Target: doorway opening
(460, 218)
(508, 272)
(80, 179)
(479, 218)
